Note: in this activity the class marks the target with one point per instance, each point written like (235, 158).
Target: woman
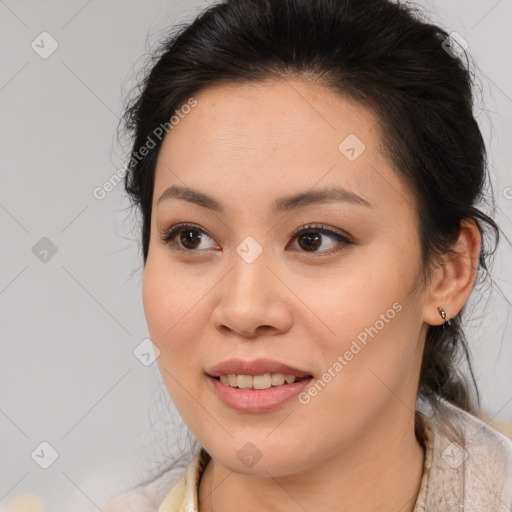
(308, 173)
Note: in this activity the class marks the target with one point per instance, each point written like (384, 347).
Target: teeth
(277, 379)
(258, 381)
(244, 381)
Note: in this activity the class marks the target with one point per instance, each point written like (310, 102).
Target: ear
(453, 281)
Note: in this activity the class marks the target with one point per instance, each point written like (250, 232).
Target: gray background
(70, 324)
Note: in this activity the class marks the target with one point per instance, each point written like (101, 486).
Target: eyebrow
(282, 204)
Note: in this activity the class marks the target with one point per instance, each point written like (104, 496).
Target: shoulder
(471, 464)
(481, 441)
(146, 497)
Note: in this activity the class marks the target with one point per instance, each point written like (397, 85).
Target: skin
(352, 447)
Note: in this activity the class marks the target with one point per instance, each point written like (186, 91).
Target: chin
(261, 460)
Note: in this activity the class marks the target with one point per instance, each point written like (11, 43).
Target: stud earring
(442, 312)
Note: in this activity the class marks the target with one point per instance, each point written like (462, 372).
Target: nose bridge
(250, 293)
(249, 272)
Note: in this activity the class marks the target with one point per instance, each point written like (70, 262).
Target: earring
(442, 312)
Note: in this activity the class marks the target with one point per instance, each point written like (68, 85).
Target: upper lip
(256, 367)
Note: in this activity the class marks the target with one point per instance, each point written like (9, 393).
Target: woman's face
(238, 283)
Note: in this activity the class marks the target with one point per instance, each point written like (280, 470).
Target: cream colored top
(467, 468)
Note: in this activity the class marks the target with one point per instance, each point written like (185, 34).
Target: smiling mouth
(259, 382)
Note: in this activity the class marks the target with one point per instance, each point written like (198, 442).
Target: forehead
(288, 111)
(272, 137)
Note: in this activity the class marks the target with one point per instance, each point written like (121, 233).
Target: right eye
(188, 237)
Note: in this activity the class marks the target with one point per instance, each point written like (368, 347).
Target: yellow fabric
(504, 428)
(175, 497)
(26, 503)
(183, 496)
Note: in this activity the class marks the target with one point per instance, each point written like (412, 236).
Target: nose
(252, 300)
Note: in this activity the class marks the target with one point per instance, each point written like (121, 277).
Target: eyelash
(169, 236)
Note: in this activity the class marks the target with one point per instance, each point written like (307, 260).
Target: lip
(259, 400)
(256, 367)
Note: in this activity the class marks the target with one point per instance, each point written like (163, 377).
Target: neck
(380, 471)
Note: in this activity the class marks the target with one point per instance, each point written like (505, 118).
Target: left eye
(314, 234)
(309, 237)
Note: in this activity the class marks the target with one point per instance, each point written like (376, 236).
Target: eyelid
(321, 228)
(182, 226)
(344, 238)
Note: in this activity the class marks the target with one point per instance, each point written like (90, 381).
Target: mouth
(268, 376)
(259, 393)
(259, 382)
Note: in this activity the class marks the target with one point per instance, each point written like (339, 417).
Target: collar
(183, 496)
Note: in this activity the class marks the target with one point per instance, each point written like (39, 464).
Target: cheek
(156, 299)
(351, 295)
(357, 305)
(364, 376)
(388, 362)
(374, 326)
(170, 314)
(169, 296)
(163, 311)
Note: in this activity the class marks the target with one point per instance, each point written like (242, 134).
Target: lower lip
(259, 400)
